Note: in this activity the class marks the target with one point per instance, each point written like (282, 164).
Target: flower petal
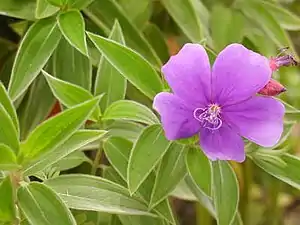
(238, 74)
(188, 74)
(260, 119)
(222, 144)
(177, 118)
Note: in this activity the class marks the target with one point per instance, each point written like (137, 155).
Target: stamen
(209, 117)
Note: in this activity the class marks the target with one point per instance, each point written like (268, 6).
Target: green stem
(97, 159)
(273, 210)
(202, 215)
(245, 195)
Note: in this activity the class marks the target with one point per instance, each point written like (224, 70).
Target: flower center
(209, 117)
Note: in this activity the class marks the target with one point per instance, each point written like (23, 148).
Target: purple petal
(222, 144)
(260, 119)
(177, 119)
(188, 74)
(238, 74)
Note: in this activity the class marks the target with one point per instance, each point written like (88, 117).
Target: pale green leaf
(109, 81)
(202, 178)
(105, 12)
(35, 50)
(130, 64)
(117, 151)
(55, 131)
(35, 107)
(8, 131)
(72, 26)
(41, 205)
(20, 9)
(70, 161)
(70, 94)
(44, 9)
(284, 167)
(146, 153)
(58, 3)
(76, 141)
(185, 15)
(225, 192)
(72, 66)
(130, 110)
(287, 19)
(7, 204)
(8, 105)
(157, 40)
(96, 194)
(125, 129)
(170, 172)
(8, 159)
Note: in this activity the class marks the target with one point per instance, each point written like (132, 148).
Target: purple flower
(219, 103)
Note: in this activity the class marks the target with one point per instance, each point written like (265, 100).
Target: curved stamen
(209, 117)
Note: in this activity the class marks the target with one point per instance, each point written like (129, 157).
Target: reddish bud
(272, 88)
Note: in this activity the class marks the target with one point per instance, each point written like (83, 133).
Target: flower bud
(272, 88)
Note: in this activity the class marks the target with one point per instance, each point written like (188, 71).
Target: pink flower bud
(272, 88)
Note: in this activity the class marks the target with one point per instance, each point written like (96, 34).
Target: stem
(96, 162)
(245, 195)
(273, 211)
(202, 215)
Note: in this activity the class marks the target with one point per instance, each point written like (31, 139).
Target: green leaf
(138, 12)
(7, 204)
(77, 140)
(137, 220)
(109, 80)
(20, 9)
(55, 131)
(58, 3)
(36, 106)
(44, 9)
(8, 106)
(225, 192)
(182, 191)
(202, 178)
(96, 194)
(185, 15)
(146, 153)
(284, 167)
(104, 13)
(117, 151)
(70, 94)
(72, 66)
(35, 50)
(202, 198)
(79, 4)
(41, 205)
(130, 110)
(163, 209)
(130, 64)
(156, 39)
(170, 172)
(286, 18)
(70, 161)
(72, 26)
(227, 26)
(292, 114)
(263, 19)
(125, 129)
(8, 159)
(8, 131)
